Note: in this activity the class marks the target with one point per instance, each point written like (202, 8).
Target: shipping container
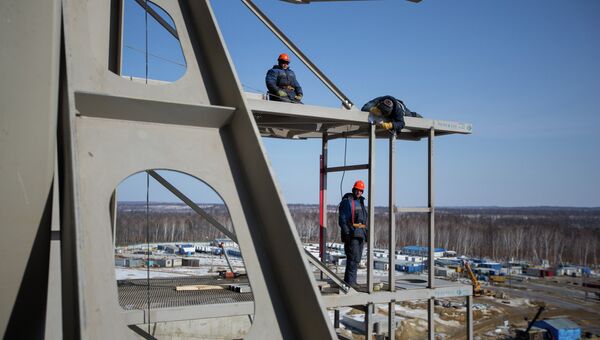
(560, 329)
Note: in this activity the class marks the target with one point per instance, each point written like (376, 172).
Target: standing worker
(281, 82)
(353, 224)
(388, 112)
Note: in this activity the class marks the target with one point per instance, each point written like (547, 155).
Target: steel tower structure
(72, 129)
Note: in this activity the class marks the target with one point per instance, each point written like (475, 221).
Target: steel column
(323, 201)
(336, 318)
(369, 311)
(430, 259)
(431, 318)
(470, 317)
(392, 319)
(392, 214)
(372, 141)
(430, 204)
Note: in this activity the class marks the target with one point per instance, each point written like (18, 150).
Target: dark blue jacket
(345, 218)
(398, 111)
(279, 79)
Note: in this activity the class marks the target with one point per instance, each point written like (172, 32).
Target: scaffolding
(283, 120)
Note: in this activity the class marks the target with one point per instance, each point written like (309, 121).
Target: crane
(477, 291)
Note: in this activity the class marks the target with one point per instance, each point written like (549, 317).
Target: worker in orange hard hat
(282, 83)
(353, 225)
(388, 112)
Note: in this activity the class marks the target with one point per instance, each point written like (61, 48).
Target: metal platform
(407, 288)
(295, 121)
(162, 293)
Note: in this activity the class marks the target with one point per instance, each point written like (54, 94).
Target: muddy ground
(499, 316)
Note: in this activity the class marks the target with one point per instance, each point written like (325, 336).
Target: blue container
(561, 329)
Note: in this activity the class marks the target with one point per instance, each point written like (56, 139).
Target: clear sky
(526, 74)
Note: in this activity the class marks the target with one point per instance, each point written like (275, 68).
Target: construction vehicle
(524, 335)
(498, 278)
(228, 274)
(477, 290)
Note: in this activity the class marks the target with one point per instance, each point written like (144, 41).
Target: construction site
(85, 263)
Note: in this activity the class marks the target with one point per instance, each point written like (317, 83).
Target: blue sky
(525, 74)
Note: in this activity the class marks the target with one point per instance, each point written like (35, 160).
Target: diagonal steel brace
(333, 276)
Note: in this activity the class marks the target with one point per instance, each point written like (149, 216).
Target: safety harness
(356, 225)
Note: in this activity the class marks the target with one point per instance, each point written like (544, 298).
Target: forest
(559, 235)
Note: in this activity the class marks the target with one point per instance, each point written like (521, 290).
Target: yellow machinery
(477, 291)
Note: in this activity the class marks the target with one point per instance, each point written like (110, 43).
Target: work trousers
(353, 249)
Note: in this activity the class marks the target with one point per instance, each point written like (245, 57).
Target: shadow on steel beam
(28, 317)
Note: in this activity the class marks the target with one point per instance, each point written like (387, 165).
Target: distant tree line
(559, 235)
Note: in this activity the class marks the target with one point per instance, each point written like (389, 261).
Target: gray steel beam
(371, 222)
(311, 66)
(384, 297)
(347, 168)
(351, 117)
(413, 210)
(130, 108)
(330, 274)
(142, 332)
(158, 18)
(392, 214)
(469, 317)
(136, 317)
(192, 205)
(30, 33)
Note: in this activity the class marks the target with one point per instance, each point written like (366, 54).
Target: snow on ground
(416, 313)
(134, 273)
(209, 265)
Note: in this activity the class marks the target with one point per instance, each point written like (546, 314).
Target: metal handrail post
(392, 214)
(431, 259)
(370, 260)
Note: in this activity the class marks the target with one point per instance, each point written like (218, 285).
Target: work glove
(298, 97)
(282, 94)
(386, 125)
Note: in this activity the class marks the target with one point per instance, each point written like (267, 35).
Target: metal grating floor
(133, 294)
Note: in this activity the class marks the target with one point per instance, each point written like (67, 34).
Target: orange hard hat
(284, 57)
(360, 185)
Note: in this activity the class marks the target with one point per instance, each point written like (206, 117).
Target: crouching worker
(388, 112)
(282, 83)
(353, 224)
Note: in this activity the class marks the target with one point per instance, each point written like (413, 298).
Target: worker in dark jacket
(353, 224)
(282, 83)
(388, 112)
